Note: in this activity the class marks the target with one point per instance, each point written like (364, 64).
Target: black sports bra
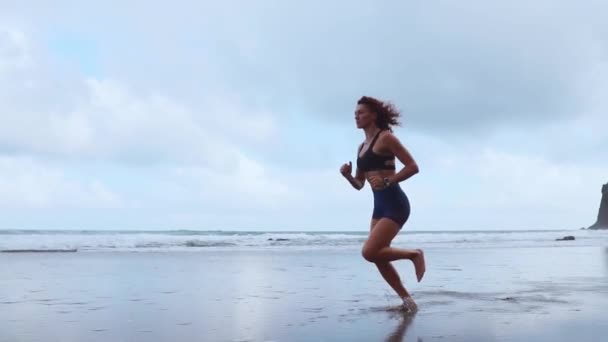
(371, 161)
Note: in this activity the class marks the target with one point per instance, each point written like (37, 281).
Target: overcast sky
(237, 115)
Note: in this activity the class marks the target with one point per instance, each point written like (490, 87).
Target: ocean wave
(199, 243)
(190, 240)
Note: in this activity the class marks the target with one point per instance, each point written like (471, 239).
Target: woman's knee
(369, 253)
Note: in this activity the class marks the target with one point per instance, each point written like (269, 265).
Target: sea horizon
(197, 240)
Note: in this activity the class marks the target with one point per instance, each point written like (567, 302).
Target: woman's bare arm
(410, 167)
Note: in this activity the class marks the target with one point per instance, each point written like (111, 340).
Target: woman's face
(364, 117)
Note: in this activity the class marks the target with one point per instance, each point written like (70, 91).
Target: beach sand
(472, 294)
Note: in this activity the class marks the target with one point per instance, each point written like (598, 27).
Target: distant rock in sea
(602, 215)
(566, 238)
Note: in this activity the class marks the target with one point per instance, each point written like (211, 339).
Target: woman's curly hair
(387, 113)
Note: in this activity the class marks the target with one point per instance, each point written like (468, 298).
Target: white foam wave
(138, 241)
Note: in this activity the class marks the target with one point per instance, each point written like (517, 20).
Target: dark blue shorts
(391, 203)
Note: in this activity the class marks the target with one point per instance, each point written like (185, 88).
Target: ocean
(195, 240)
(186, 285)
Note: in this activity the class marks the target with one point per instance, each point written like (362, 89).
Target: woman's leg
(377, 248)
(389, 273)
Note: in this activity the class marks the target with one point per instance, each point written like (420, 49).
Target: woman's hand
(346, 169)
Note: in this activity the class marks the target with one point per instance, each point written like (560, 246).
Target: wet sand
(483, 294)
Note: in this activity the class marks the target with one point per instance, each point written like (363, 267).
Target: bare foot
(409, 305)
(419, 264)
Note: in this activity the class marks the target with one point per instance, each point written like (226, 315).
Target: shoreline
(523, 294)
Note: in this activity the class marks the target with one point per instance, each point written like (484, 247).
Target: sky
(237, 115)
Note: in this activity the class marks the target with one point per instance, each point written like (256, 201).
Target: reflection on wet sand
(398, 335)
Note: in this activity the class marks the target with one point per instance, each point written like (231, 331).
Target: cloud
(492, 188)
(209, 111)
(451, 67)
(246, 186)
(13, 51)
(106, 119)
(78, 120)
(31, 184)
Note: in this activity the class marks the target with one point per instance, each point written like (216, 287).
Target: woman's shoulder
(388, 140)
(387, 135)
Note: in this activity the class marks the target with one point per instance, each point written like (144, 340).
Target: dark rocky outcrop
(602, 215)
(566, 238)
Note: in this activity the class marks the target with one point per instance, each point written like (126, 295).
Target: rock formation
(602, 215)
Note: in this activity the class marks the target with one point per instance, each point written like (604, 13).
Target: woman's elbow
(415, 168)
